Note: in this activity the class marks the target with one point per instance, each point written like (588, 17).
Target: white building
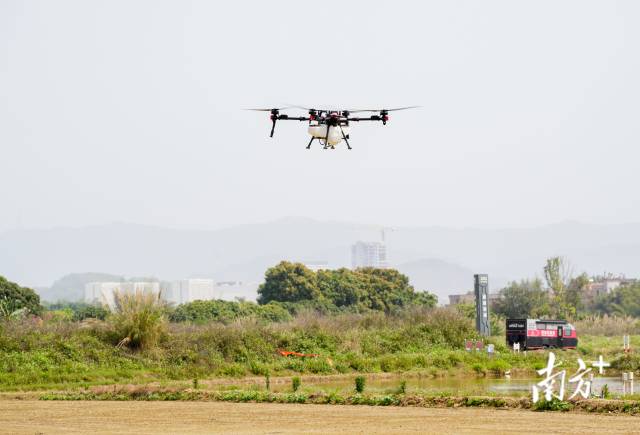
(189, 290)
(234, 290)
(369, 254)
(102, 292)
(603, 285)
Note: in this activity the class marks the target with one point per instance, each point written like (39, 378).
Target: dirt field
(37, 417)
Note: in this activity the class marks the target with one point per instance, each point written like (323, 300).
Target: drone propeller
(300, 107)
(383, 110)
(274, 116)
(313, 110)
(270, 110)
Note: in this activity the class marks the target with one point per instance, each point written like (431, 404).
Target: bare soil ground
(41, 417)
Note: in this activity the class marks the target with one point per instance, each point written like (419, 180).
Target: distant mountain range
(437, 259)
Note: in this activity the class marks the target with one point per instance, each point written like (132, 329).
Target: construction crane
(383, 232)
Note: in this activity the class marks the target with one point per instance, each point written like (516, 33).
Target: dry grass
(609, 326)
(30, 417)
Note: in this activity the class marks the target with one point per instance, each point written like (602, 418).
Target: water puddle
(450, 386)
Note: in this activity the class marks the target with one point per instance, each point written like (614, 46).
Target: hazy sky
(130, 111)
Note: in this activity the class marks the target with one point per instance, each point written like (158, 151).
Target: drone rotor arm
(370, 118)
(292, 118)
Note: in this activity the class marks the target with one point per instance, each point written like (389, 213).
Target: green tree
(425, 299)
(623, 301)
(342, 287)
(523, 299)
(357, 290)
(13, 298)
(388, 289)
(575, 290)
(557, 275)
(288, 282)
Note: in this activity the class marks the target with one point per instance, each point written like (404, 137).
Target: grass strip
(631, 407)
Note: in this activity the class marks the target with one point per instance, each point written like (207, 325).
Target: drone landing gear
(326, 138)
(310, 142)
(327, 146)
(345, 138)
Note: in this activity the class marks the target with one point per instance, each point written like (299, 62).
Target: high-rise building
(369, 254)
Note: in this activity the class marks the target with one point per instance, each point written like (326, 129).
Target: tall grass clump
(402, 389)
(138, 318)
(609, 326)
(360, 383)
(295, 383)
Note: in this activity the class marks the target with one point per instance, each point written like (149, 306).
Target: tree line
(292, 287)
(359, 290)
(564, 296)
(288, 288)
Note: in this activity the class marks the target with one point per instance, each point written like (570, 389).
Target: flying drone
(329, 127)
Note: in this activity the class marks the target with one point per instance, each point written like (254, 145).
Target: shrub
(65, 315)
(498, 367)
(138, 318)
(627, 362)
(318, 366)
(90, 312)
(234, 370)
(14, 298)
(295, 383)
(228, 311)
(552, 405)
(79, 310)
(479, 369)
(402, 389)
(258, 368)
(360, 383)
